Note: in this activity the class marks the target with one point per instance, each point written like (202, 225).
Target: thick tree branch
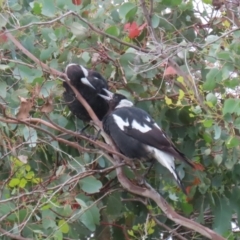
(150, 193)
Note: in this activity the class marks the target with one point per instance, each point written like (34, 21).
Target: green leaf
(227, 70)
(86, 57)
(48, 219)
(218, 159)
(113, 201)
(181, 94)
(63, 226)
(49, 8)
(231, 105)
(130, 232)
(207, 123)
(125, 8)
(36, 7)
(131, 14)
(155, 21)
(78, 29)
(22, 183)
(224, 55)
(90, 218)
(209, 84)
(222, 210)
(27, 74)
(237, 123)
(113, 30)
(115, 16)
(30, 136)
(90, 184)
(168, 100)
(187, 208)
(211, 98)
(217, 131)
(6, 208)
(232, 83)
(232, 142)
(14, 182)
(4, 67)
(3, 89)
(46, 53)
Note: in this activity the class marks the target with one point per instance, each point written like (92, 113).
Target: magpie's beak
(104, 97)
(109, 95)
(86, 82)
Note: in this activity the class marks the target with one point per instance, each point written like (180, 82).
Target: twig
(56, 73)
(150, 193)
(12, 236)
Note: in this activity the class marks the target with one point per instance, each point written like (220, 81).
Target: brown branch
(55, 73)
(154, 217)
(150, 193)
(89, 25)
(54, 126)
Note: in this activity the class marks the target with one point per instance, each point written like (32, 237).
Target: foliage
(59, 185)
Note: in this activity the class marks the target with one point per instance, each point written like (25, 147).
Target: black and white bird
(89, 84)
(137, 135)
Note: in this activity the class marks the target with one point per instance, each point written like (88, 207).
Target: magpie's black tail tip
(180, 184)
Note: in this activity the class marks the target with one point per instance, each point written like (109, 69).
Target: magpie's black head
(116, 100)
(78, 75)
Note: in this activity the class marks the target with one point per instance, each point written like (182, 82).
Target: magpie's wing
(143, 128)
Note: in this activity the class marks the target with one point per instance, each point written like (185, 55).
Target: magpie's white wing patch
(85, 71)
(148, 118)
(120, 122)
(140, 127)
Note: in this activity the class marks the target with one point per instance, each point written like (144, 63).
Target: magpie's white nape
(89, 84)
(137, 135)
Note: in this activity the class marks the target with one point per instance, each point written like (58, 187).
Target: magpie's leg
(141, 178)
(97, 135)
(150, 167)
(84, 128)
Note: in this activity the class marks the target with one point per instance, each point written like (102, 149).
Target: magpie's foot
(149, 168)
(141, 180)
(96, 137)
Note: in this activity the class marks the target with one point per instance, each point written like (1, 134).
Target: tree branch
(150, 193)
(55, 73)
(12, 236)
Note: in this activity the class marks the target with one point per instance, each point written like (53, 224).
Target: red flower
(133, 29)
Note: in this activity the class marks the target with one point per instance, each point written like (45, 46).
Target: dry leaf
(26, 105)
(170, 71)
(36, 90)
(48, 106)
(95, 57)
(23, 158)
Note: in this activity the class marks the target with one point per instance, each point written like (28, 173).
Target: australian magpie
(137, 135)
(89, 84)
